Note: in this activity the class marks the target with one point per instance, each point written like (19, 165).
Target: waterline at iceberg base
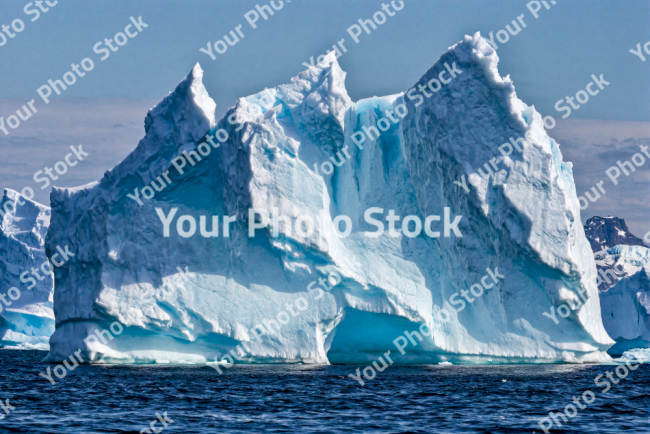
(523, 219)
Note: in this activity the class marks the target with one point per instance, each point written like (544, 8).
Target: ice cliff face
(623, 281)
(626, 303)
(618, 263)
(521, 218)
(26, 319)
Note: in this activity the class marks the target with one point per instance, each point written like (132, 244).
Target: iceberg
(619, 263)
(635, 355)
(625, 304)
(298, 294)
(623, 264)
(26, 315)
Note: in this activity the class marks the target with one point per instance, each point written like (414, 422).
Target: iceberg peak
(178, 122)
(190, 95)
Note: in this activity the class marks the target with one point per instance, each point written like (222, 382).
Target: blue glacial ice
(26, 319)
(626, 304)
(523, 219)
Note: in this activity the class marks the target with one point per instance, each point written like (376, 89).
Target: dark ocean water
(323, 399)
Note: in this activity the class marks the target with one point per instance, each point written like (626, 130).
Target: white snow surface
(28, 322)
(523, 220)
(621, 262)
(626, 304)
(635, 355)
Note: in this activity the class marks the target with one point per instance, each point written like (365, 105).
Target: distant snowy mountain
(442, 149)
(606, 232)
(27, 319)
(603, 234)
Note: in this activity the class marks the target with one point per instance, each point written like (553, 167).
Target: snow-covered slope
(522, 220)
(626, 303)
(617, 263)
(26, 319)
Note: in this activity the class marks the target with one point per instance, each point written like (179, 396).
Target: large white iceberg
(187, 300)
(26, 318)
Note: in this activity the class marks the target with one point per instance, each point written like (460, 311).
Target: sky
(554, 56)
